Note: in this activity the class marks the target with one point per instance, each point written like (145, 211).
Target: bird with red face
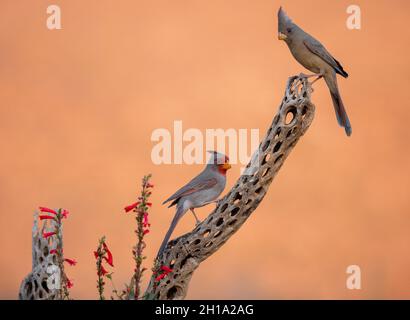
(205, 188)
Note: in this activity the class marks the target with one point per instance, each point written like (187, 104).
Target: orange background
(78, 106)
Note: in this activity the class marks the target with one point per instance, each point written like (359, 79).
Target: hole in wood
(266, 158)
(29, 287)
(172, 292)
(265, 172)
(232, 222)
(278, 159)
(218, 234)
(208, 244)
(238, 196)
(259, 190)
(277, 134)
(266, 145)
(290, 115)
(185, 260)
(276, 119)
(44, 285)
(35, 285)
(290, 132)
(219, 222)
(234, 211)
(277, 146)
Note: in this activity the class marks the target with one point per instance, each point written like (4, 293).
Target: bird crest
(217, 157)
(283, 20)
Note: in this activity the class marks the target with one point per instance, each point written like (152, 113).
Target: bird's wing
(318, 49)
(196, 184)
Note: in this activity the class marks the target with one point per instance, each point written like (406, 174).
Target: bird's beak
(226, 166)
(282, 36)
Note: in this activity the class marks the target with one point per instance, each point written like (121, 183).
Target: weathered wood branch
(44, 280)
(185, 253)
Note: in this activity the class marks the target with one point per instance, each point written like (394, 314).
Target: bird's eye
(289, 30)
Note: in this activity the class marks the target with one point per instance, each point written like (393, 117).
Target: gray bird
(311, 54)
(205, 188)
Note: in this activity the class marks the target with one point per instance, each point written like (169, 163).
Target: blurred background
(78, 107)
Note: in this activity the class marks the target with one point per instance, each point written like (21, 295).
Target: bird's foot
(318, 77)
(310, 84)
(213, 201)
(217, 202)
(197, 221)
(307, 76)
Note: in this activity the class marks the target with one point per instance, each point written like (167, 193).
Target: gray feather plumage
(202, 181)
(201, 190)
(311, 54)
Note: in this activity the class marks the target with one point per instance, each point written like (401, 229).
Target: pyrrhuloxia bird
(200, 191)
(311, 54)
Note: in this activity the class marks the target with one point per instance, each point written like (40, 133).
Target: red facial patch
(221, 170)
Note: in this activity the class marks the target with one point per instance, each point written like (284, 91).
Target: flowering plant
(103, 254)
(56, 236)
(140, 208)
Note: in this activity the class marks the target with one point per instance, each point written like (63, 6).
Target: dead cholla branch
(48, 279)
(185, 253)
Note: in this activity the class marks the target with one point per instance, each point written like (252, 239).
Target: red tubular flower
(44, 209)
(71, 262)
(145, 222)
(149, 204)
(109, 255)
(65, 213)
(48, 234)
(160, 277)
(145, 232)
(70, 284)
(103, 272)
(96, 254)
(166, 269)
(45, 217)
(131, 206)
(53, 251)
(149, 185)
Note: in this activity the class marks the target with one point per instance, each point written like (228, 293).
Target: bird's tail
(341, 114)
(180, 212)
